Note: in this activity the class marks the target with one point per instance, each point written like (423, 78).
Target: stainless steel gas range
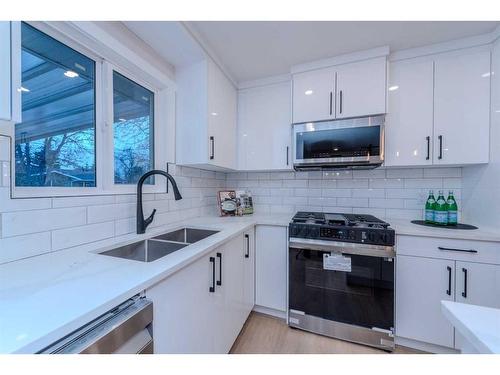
(341, 277)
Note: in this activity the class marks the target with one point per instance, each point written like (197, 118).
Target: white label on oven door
(336, 262)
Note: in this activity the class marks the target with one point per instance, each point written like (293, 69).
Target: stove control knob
(352, 235)
(384, 238)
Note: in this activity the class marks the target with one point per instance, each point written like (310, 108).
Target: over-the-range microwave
(349, 143)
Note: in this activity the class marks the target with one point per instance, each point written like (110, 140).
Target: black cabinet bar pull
(287, 161)
(440, 147)
(219, 255)
(247, 254)
(212, 288)
(212, 151)
(331, 101)
(464, 293)
(448, 291)
(340, 101)
(428, 147)
(460, 250)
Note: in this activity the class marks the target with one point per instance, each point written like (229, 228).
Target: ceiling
(257, 49)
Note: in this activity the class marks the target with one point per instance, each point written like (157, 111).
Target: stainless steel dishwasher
(126, 329)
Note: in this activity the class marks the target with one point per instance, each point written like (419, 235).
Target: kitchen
(164, 189)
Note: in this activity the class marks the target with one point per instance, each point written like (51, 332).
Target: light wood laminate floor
(263, 334)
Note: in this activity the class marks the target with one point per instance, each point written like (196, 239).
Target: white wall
(385, 193)
(481, 184)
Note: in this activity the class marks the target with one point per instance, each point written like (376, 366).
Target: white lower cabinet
(271, 258)
(431, 270)
(197, 310)
(421, 285)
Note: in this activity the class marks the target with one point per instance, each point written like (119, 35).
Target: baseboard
(424, 346)
(268, 311)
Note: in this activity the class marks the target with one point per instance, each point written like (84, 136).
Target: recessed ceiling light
(214, 113)
(393, 88)
(23, 89)
(308, 92)
(71, 74)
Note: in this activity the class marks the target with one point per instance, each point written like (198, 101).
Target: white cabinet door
(249, 272)
(271, 244)
(421, 285)
(264, 128)
(462, 106)
(184, 310)
(5, 71)
(230, 286)
(361, 88)
(222, 107)
(482, 286)
(313, 95)
(409, 121)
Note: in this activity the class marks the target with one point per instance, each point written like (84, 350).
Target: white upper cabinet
(206, 105)
(462, 106)
(361, 88)
(313, 95)
(5, 86)
(349, 90)
(444, 97)
(409, 130)
(264, 128)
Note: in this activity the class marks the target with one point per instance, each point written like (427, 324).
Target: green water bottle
(429, 208)
(440, 210)
(452, 209)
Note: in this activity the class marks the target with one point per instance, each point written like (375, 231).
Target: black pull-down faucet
(142, 223)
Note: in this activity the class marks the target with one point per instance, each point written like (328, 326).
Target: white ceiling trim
(265, 81)
(341, 59)
(208, 51)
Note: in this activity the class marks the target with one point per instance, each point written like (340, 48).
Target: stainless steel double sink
(161, 245)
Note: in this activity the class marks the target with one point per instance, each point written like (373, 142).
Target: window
(91, 122)
(133, 130)
(55, 142)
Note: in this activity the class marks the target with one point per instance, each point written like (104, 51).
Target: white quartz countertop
(406, 227)
(46, 297)
(479, 325)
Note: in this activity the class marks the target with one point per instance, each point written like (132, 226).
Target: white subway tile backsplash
(19, 247)
(24, 222)
(64, 238)
(443, 172)
(371, 173)
(293, 183)
(386, 183)
(424, 183)
(330, 202)
(386, 203)
(109, 212)
(82, 201)
(354, 183)
(352, 202)
(405, 173)
(336, 192)
(8, 205)
(368, 193)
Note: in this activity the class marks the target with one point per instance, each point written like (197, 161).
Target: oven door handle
(343, 247)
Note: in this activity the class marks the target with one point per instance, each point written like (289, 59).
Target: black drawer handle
(449, 281)
(341, 100)
(428, 147)
(440, 147)
(287, 157)
(459, 250)
(331, 100)
(247, 254)
(219, 282)
(464, 293)
(212, 151)
(212, 288)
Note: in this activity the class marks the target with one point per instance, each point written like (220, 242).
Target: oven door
(362, 294)
(353, 142)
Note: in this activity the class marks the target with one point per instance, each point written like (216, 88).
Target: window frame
(164, 103)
